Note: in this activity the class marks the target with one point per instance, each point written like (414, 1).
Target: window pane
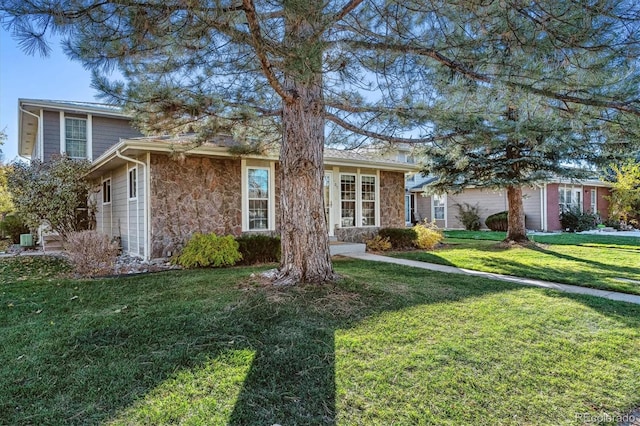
(258, 195)
(258, 183)
(368, 197)
(76, 137)
(258, 214)
(348, 203)
(133, 183)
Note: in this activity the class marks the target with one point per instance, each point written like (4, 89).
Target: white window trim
(360, 201)
(129, 170)
(433, 207)
(574, 190)
(245, 196)
(594, 200)
(63, 134)
(110, 191)
(357, 200)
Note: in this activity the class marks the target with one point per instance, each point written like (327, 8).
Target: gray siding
(51, 134)
(108, 132)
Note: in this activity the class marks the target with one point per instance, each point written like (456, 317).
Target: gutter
(146, 203)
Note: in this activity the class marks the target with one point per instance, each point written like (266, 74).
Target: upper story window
(106, 191)
(133, 183)
(75, 137)
(258, 198)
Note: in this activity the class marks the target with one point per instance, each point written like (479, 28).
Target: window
(75, 131)
(594, 196)
(347, 200)
(258, 196)
(438, 207)
(133, 183)
(407, 208)
(368, 200)
(106, 191)
(570, 198)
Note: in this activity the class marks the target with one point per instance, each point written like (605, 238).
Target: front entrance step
(339, 247)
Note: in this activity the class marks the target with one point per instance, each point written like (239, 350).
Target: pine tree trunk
(516, 231)
(305, 238)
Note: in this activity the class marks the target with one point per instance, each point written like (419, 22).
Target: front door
(328, 200)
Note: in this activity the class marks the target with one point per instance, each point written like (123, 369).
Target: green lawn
(608, 263)
(386, 345)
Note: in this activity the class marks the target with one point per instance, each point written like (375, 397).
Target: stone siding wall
(194, 194)
(392, 199)
(356, 235)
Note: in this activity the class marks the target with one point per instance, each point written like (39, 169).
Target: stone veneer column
(392, 199)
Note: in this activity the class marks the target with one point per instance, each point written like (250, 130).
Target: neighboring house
(156, 192)
(542, 203)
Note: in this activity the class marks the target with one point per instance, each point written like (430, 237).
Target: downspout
(39, 133)
(146, 219)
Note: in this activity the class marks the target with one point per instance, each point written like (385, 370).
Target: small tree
(54, 193)
(625, 198)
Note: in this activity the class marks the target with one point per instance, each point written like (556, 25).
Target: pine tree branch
(387, 138)
(346, 9)
(258, 43)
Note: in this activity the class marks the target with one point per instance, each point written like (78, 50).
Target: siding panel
(51, 134)
(108, 132)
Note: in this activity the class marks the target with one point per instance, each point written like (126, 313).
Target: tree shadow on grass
(604, 266)
(128, 344)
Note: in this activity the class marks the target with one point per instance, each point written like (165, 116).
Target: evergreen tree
(513, 119)
(303, 69)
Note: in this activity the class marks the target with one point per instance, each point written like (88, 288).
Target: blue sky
(24, 76)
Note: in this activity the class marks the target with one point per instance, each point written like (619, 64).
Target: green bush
(259, 249)
(209, 250)
(574, 220)
(469, 216)
(12, 226)
(498, 221)
(400, 238)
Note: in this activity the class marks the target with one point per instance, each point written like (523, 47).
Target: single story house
(543, 203)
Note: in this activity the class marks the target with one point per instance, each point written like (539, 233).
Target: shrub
(12, 226)
(428, 235)
(91, 252)
(259, 249)
(400, 238)
(209, 250)
(574, 220)
(469, 216)
(378, 243)
(612, 223)
(498, 221)
(5, 244)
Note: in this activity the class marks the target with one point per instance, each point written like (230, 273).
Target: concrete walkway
(611, 295)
